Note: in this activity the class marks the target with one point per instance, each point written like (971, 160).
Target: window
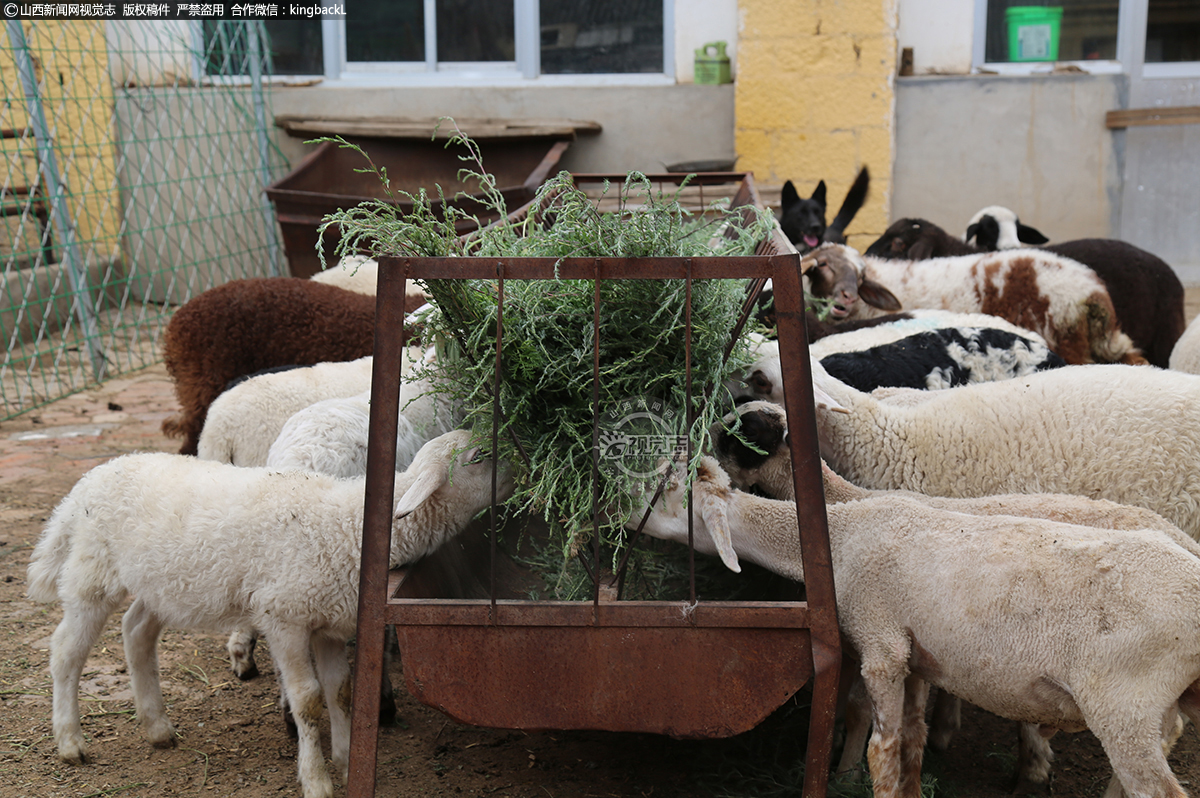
(1014, 36)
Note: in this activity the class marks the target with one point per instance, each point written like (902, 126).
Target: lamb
(245, 326)
(1061, 299)
(1185, 356)
(361, 275)
(243, 422)
(1060, 625)
(1145, 291)
(996, 227)
(766, 469)
(158, 526)
(928, 350)
(1069, 430)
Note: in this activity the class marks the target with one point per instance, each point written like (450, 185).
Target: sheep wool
(1123, 433)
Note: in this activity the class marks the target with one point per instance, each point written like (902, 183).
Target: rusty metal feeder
(716, 670)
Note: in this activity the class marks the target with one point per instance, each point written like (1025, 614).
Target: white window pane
(1067, 30)
(385, 31)
(601, 36)
(1172, 31)
(475, 30)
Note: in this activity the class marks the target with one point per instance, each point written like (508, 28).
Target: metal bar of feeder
(687, 397)
(596, 435)
(496, 428)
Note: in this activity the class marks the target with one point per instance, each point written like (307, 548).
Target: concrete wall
(698, 22)
(645, 127)
(814, 99)
(1037, 145)
(940, 33)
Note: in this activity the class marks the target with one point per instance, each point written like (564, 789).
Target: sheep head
(668, 519)
(916, 239)
(996, 227)
(837, 272)
(449, 461)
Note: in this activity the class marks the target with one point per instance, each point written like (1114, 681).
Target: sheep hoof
(246, 672)
(1027, 787)
(73, 754)
(169, 742)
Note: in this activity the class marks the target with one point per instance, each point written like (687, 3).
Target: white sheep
(210, 546)
(244, 421)
(1124, 433)
(1060, 625)
(763, 462)
(1185, 356)
(360, 274)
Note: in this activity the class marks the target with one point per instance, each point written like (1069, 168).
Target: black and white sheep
(925, 350)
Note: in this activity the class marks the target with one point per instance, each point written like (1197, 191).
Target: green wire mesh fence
(133, 157)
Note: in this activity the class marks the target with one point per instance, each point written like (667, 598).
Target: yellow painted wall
(814, 99)
(71, 65)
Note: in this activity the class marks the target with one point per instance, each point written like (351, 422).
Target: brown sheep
(246, 326)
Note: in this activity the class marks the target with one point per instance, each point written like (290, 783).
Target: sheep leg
(69, 647)
(946, 720)
(241, 653)
(1134, 741)
(912, 748)
(291, 648)
(140, 629)
(1034, 756)
(333, 670)
(885, 683)
(858, 725)
(1172, 730)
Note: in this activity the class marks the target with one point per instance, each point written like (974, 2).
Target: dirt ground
(232, 741)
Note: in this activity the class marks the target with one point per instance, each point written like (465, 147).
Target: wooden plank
(398, 127)
(1171, 115)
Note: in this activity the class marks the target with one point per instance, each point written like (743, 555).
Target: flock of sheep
(1011, 478)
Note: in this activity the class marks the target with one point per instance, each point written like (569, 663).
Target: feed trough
(688, 669)
(327, 180)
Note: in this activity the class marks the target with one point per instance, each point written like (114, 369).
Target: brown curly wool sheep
(246, 326)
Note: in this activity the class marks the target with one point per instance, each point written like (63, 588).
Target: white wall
(940, 32)
(155, 53)
(698, 22)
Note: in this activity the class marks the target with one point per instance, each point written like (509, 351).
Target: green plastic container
(712, 64)
(1033, 32)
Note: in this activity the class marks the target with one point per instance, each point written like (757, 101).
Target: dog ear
(877, 296)
(819, 194)
(788, 195)
(1028, 235)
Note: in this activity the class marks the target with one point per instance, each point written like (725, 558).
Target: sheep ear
(1029, 235)
(922, 250)
(425, 486)
(715, 512)
(877, 296)
(972, 231)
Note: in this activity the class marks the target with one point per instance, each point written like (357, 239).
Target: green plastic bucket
(1033, 32)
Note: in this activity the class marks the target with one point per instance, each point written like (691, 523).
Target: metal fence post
(60, 217)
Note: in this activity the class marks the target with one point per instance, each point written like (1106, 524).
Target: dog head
(803, 220)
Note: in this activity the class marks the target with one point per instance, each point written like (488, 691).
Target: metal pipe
(60, 217)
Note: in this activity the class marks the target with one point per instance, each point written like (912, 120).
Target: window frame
(1131, 50)
(525, 68)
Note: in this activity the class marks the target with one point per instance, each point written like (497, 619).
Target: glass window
(475, 30)
(1172, 31)
(295, 46)
(1065, 30)
(385, 31)
(590, 36)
